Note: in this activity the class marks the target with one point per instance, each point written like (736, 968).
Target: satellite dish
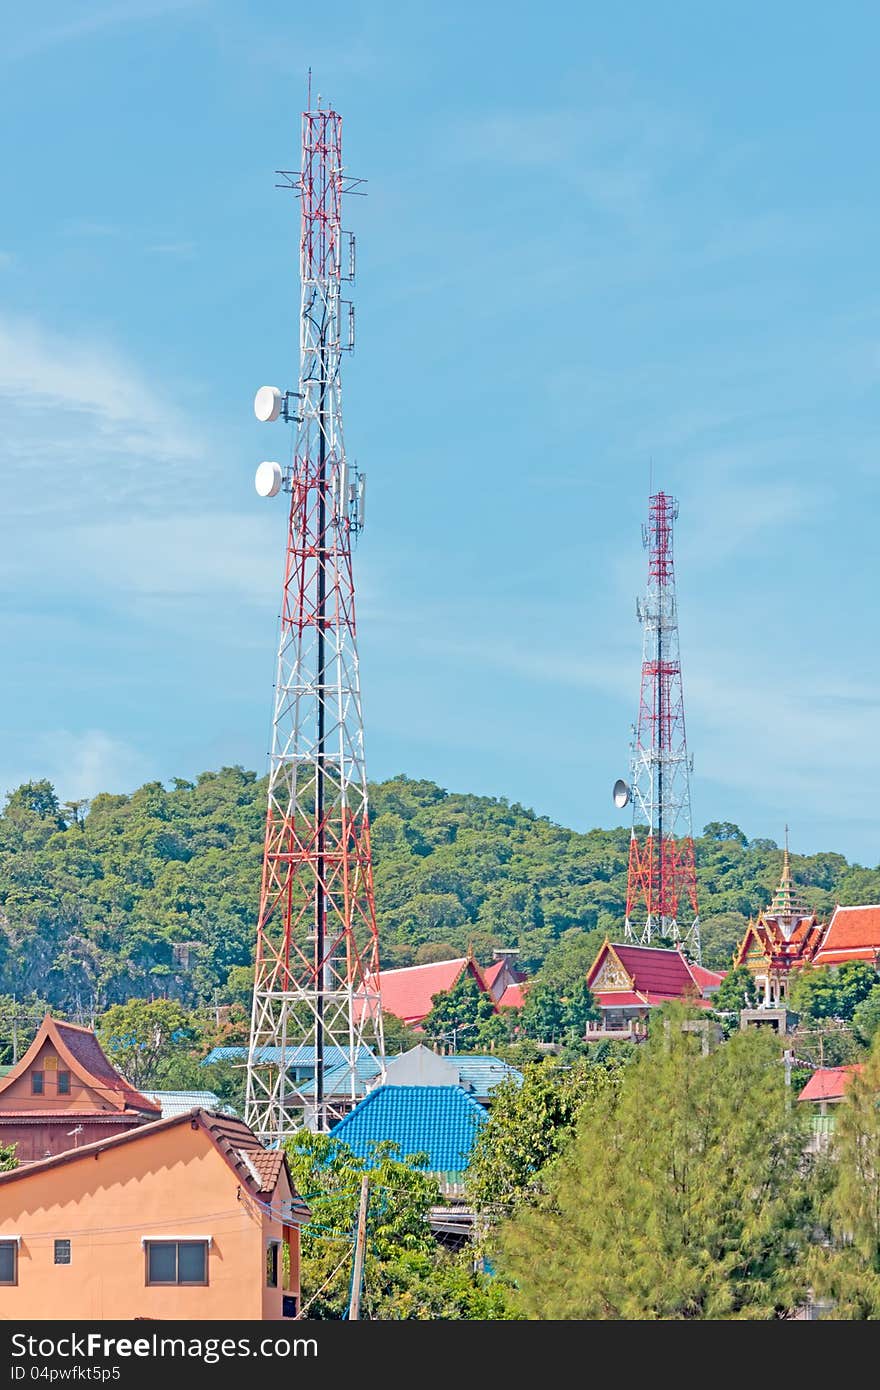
(621, 794)
(267, 404)
(268, 479)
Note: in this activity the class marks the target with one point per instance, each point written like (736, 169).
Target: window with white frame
(8, 1262)
(176, 1261)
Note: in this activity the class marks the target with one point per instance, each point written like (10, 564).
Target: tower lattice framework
(661, 899)
(316, 1003)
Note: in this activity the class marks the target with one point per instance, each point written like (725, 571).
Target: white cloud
(81, 426)
(81, 764)
(94, 21)
(196, 554)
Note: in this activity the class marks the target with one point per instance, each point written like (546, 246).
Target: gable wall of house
(173, 1182)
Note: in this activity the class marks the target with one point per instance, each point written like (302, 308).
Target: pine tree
(847, 1269)
(684, 1197)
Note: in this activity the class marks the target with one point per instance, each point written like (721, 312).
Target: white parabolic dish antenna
(621, 794)
(267, 404)
(268, 479)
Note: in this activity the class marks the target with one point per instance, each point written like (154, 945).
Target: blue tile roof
(301, 1058)
(441, 1121)
(483, 1074)
(337, 1080)
(179, 1102)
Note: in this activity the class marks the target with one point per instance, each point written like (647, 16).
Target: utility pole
(360, 1244)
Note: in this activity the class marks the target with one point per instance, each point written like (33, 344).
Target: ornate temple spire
(785, 902)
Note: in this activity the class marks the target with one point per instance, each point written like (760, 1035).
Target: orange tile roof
(853, 934)
(512, 998)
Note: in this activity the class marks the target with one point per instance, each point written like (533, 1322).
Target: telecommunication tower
(316, 1004)
(661, 898)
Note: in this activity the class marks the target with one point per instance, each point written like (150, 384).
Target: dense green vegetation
(407, 1274)
(156, 892)
(684, 1192)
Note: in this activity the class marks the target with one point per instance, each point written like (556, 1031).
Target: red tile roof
(491, 972)
(829, 1083)
(619, 999)
(655, 969)
(408, 992)
(853, 934)
(706, 979)
(512, 998)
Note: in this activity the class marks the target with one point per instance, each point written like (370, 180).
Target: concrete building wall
(174, 1183)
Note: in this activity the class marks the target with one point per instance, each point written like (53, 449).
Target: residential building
(339, 1081)
(187, 1217)
(824, 1092)
(420, 1066)
(439, 1121)
(64, 1093)
(181, 1102)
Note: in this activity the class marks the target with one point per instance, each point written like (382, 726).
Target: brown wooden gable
(93, 1084)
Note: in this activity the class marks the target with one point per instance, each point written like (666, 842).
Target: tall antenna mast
(316, 1001)
(661, 898)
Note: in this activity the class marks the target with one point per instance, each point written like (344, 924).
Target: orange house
(187, 1217)
(64, 1093)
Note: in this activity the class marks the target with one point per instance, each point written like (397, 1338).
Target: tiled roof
(181, 1102)
(439, 1121)
(408, 993)
(655, 969)
(657, 1000)
(258, 1169)
(298, 1058)
(81, 1051)
(82, 1044)
(853, 934)
(337, 1081)
(619, 999)
(706, 979)
(512, 998)
(483, 1074)
(829, 1083)
(491, 972)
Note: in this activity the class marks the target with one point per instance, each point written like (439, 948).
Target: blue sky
(597, 239)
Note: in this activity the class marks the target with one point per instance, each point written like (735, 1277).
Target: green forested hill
(157, 892)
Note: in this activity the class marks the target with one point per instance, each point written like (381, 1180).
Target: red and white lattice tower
(316, 1006)
(661, 898)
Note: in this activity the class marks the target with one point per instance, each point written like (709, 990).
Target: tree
(866, 1017)
(832, 991)
(8, 1157)
(847, 1268)
(453, 1011)
(529, 1125)
(682, 1197)
(34, 798)
(725, 830)
(407, 1274)
(149, 1041)
(736, 991)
